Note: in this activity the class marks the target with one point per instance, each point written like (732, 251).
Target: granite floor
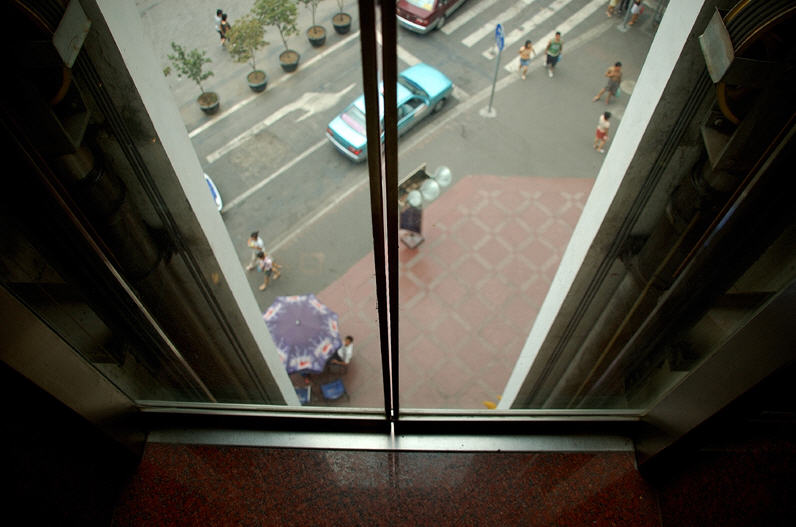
(212, 485)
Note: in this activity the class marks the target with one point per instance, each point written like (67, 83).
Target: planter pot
(316, 36)
(341, 23)
(289, 60)
(257, 80)
(208, 102)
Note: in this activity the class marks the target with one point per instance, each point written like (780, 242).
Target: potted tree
(190, 64)
(282, 15)
(245, 38)
(316, 34)
(341, 21)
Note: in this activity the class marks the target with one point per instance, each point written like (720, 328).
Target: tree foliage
(245, 38)
(190, 64)
(281, 14)
(312, 5)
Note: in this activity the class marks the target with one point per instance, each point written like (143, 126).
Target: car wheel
(439, 106)
(440, 22)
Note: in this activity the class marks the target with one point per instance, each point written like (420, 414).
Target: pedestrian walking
(623, 6)
(553, 50)
(611, 7)
(601, 135)
(614, 74)
(219, 13)
(224, 28)
(256, 244)
(635, 10)
(525, 58)
(265, 264)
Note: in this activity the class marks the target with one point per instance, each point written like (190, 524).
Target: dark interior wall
(739, 468)
(58, 469)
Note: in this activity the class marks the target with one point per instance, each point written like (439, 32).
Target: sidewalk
(468, 295)
(191, 24)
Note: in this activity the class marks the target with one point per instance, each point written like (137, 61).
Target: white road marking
(310, 103)
(459, 94)
(411, 60)
(237, 201)
(440, 123)
(462, 17)
(407, 57)
(468, 103)
(403, 55)
(568, 24)
(199, 129)
(489, 27)
(318, 215)
(528, 26)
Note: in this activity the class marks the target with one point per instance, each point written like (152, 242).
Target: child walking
(601, 135)
(267, 266)
(525, 58)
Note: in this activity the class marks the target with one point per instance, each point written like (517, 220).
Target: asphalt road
(277, 173)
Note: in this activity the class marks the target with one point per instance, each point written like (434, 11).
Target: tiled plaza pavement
(468, 295)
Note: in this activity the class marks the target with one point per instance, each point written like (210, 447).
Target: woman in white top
(343, 355)
(635, 10)
(256, 244)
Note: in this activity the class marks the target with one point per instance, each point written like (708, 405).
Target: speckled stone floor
(210, 485)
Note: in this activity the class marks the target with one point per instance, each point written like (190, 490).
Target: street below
(277, 173)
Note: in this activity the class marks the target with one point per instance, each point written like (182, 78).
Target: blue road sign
(499, 37)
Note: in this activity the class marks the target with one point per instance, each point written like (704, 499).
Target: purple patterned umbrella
(304, 331)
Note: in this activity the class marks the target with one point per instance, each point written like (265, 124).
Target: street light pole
(414, 192)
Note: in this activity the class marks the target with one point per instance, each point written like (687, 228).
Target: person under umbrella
(304, 331)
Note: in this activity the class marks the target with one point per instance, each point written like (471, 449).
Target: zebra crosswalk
(473, 25)
(488, 28)
(528, 26)
(465, 15)
(565, 27)
(473, 28)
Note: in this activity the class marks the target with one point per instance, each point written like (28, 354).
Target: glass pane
(78, 319)
(151, 273)
(286, 163)
(479, 254)
(645, 381)
(645, 295)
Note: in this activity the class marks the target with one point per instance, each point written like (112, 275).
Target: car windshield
(354, 118)
(411, 86)
(423, 4)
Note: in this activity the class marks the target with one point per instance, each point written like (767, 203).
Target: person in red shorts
(601, 136)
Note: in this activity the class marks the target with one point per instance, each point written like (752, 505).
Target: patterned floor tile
(468, 295)
(470, 233)
(494, 252)
(449, 289)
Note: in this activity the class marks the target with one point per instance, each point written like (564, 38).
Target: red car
(421, 16)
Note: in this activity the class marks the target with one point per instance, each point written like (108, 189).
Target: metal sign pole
(499, 43)
(494, 81)
(627, 14)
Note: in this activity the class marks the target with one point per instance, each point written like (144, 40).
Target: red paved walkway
(468, 295)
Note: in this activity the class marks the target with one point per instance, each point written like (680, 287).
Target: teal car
(422, 90)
